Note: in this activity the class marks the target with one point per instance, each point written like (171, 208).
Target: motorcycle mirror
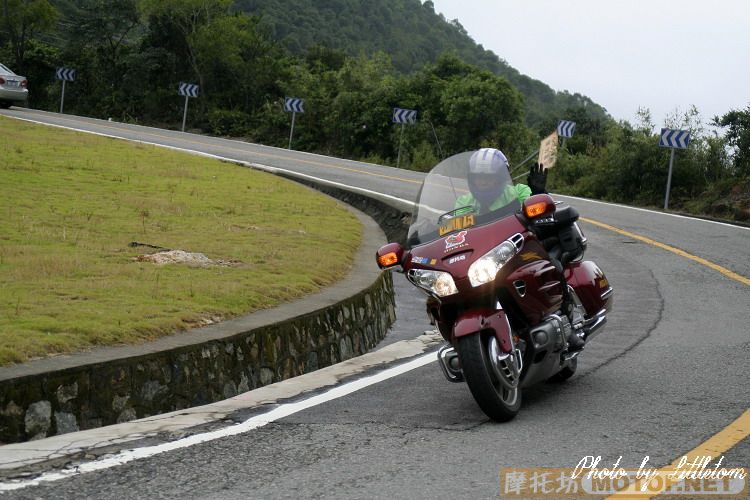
(539, 205)
(390, 256)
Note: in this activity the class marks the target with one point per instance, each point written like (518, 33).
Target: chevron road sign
(671, 138)
(566, 129)
(404, 115)
(188, 89)
(294, 105)
(65, 74)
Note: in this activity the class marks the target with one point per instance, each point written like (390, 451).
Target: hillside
(412, 33)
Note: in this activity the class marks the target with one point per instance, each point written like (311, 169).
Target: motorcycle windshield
(451, 201)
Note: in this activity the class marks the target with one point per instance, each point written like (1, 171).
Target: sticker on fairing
(455, 240)
(457, 258)
(527, 256)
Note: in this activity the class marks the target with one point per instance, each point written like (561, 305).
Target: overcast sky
(660, 54)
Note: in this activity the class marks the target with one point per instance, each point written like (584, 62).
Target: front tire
(495, 400)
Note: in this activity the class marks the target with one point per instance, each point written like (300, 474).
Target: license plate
(11, 83)
(460, 222)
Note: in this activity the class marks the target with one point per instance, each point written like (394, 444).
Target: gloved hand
(537, 179)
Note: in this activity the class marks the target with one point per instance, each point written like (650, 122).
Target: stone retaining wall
(108, 392)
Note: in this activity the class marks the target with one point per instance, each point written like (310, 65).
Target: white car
(13, 88)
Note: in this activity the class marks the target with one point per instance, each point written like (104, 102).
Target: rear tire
(4, 104)
(493, 398)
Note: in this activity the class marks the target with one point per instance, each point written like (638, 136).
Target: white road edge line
(156, 129)
(653, 211)
(255, 422)
(362, 190)
(257, 166)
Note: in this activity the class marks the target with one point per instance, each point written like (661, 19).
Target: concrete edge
(33, 454)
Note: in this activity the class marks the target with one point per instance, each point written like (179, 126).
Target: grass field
(72, 203)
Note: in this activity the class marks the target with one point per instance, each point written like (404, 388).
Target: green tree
(737, 123)
(22, 21)
(100, 44)
(189, 20)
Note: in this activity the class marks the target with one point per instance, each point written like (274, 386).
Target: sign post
(672, 139)
(66, 75)
(293, 105)
(188, 90)
(403, 116)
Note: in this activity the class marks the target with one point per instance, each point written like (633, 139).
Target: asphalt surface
(669, 371)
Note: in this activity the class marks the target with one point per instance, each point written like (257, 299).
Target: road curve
(669, 371)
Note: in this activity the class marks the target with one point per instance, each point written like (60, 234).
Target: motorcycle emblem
(458, 258)
(455, 240)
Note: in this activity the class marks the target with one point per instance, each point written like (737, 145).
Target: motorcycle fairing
(478, 320)
(591, 286)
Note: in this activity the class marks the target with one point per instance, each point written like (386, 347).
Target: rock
(11, 410)
(345, 348)
(151, 389)
(38, 419)
(119, 402)
(244, 385)
(230, 390)
(65, 422)
(67, 392)
(266, 376)
(126, 416)
(312, 361)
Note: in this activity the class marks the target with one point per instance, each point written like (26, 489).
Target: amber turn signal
(535, 210)
(388, 260)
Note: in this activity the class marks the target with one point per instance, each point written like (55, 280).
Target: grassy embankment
(72, 203)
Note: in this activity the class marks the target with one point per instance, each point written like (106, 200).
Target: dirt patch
(188, 258)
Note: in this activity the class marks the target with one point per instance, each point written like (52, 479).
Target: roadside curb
(20, 459)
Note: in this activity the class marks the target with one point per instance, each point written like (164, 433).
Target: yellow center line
(725, 439)
(714, 447)
(723, 270)
(266, 155)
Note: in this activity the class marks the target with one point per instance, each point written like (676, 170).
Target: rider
(491, 188)
(489, 183)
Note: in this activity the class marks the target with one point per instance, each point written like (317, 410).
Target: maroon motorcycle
(494, 285)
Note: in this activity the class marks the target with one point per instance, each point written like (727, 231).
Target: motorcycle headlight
(438, 282)
(486, 267)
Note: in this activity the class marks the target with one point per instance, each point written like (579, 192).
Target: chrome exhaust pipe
(592, 327)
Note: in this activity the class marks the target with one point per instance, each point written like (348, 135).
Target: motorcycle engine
(551, 333)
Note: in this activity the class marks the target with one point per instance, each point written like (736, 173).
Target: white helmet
(488, 161)
(488, 174)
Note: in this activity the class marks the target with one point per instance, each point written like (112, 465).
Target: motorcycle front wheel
(495, 400)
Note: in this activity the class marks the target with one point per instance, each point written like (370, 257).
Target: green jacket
(520, 191)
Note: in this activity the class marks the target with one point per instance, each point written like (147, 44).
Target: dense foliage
(353, 62)
(411, 32)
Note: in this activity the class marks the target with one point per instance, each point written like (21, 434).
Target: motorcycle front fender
(479, 320)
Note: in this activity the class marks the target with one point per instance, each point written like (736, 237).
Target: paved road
(669, 371)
